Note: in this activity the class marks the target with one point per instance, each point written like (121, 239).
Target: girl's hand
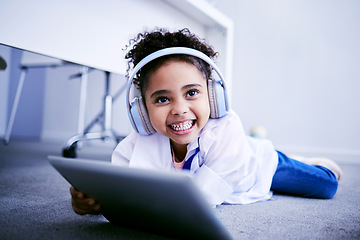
(83, 205)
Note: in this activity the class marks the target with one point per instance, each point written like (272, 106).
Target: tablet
(166, 203)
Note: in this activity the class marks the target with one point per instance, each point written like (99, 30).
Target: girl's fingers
(75, 193)
(83, 205)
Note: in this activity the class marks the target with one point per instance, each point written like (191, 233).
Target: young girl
(227, 166)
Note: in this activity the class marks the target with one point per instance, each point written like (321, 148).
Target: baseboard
(349, 156)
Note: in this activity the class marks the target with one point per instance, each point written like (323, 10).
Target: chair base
(71, 146)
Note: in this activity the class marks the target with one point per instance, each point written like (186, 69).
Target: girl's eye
(192, 93)
(161, 100)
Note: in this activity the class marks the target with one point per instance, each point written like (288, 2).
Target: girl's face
(177, 101)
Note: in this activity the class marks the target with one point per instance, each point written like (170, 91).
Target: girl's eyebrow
(194, 85)
(164, 92)
(159, 93)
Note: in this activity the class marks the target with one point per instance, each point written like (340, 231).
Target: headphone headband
(165, 52)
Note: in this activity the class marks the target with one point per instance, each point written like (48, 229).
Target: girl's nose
(179, 108)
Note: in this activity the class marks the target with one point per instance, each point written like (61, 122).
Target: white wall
(296, 72)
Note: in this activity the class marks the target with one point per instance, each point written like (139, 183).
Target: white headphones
(137, 112)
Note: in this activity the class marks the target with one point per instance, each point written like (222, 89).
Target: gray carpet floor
(35, 204)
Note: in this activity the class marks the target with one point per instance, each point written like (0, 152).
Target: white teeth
(182, 126)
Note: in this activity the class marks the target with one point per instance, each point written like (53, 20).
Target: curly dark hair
(149, 42)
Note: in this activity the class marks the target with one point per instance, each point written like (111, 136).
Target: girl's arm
(226, 160)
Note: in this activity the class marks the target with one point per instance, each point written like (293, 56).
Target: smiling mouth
(182, 126)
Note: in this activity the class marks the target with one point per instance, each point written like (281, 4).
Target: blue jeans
(299, 179)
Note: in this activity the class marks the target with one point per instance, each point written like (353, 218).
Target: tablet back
(161, 202)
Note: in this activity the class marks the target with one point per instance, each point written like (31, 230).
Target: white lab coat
(229, 168)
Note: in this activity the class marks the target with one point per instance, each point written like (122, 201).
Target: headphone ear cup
(141, 121)
(217, 99)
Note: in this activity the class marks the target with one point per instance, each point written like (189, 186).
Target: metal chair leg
(83, 96)
(15, 105)
(105, 118)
